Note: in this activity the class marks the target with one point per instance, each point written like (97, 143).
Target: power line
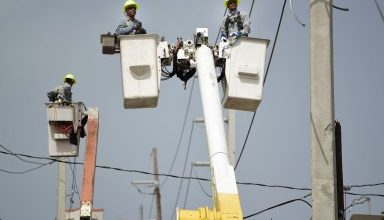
(266, 74)
(366, 194)
(340, 8)
(26, 171)
(357, 202)
(27, 161)
(294, 14)
(276, 186)
(281, 204)
(74, 182)
(250, 11)
(184, 177)
(379, 9)
(182, 133)
(201, 186)
(218, 33)
(187, 192)
(185, 165)
(366, 185)
(149, 173)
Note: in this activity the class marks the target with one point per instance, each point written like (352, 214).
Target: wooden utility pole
(322, 114)
(157, 186)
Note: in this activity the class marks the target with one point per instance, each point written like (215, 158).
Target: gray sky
(43, 39)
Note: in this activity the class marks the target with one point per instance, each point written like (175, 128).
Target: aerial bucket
(64, 124)
(141, 70)
(244, 74)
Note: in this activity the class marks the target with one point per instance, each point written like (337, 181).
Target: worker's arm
(246, 24)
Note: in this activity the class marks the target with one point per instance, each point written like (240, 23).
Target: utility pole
(141, 212)
(324, 183)
(157, 186)
(339, 172)
(61, 184)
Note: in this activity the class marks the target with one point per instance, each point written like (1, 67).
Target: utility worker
(63, 93)
(130, 25)
(235, 23)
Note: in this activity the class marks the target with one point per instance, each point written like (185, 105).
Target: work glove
(138, 25)
(223, 37)
(236, 34)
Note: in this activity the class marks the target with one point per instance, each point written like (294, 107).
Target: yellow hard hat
(130, 3)
(226, 2)
(71, 77)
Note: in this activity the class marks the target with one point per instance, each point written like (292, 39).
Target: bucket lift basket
(244, 74)
(141, 70)
(64, 123)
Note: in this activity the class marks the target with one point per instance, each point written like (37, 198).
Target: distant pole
(141, 212)
(61, 184)
(324, 190)
(157, 186)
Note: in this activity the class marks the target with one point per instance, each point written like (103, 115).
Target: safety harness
(236, 19)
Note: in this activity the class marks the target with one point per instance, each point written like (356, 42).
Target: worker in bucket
(63, 92)
(236, 23)
(62, 95)
(130, 25)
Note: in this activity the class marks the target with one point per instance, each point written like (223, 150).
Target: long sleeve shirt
(230, 24)
(62, 92)
(128, 26)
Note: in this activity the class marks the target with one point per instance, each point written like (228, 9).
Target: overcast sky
(41, 40)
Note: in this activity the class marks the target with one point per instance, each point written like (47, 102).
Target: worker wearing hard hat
(130, 25)
(63, 93)
(235, 23)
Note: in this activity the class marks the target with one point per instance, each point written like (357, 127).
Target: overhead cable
(250, 10)
(218, 33)
(201, 186)
(365, 185)
(357, 202)
(184, 177)
(380, 11)
(26, 171)
(340, 8)
(266, 74)
(365, 194)
(185, 165)
(294, 14)
(182, 132)
(187, 192)
(27, 161)
(281, 204)
(75, 188)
